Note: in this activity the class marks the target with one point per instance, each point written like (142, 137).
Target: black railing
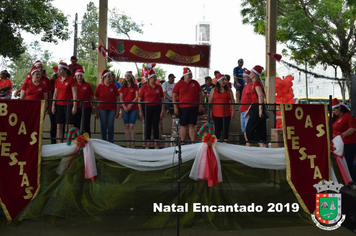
(206, 110)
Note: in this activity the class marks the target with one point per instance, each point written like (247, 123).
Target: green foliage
(88, 40)
(35, 17)
(314, 31)
(19, 68)
(123, 24)
(90, 75)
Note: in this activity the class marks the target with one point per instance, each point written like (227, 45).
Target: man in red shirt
(74, 66)
(187, 91)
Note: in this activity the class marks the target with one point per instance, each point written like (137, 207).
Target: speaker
(353, 95)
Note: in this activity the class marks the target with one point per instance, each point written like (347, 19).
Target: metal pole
(306, 83)
(75, 35)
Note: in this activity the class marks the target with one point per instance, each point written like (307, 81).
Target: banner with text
(166, 53)
(307, 147)
(20, 160)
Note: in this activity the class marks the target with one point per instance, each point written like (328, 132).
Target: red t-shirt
(107, 94)
(150, 94)
(84, 92)
(74, 68)
(44, 80)
(246, 97)
(343, 123)
(254, 92)
(129, 94)
(34, 91)
(64, 90)
(6, 82)
(221, 98)
(187, 92)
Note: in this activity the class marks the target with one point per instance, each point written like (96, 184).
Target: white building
(317, 87)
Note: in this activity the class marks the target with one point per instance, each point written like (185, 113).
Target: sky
(174, 22)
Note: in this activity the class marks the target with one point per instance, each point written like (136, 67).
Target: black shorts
(188, 116)
(61, 114)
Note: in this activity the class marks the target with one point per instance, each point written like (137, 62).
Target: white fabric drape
(158, 159)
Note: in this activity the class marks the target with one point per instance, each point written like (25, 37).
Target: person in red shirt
(74, 66)
(345, 126)
(152, 94)
(107, 92)
(245, 100)
(187, 90)
(129, 93)
(5, 85)
(256, 129)
(85, 93)
(34, 89)
(222, 114)
(64, 89)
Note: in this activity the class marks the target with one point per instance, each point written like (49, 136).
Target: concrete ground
(64, 227)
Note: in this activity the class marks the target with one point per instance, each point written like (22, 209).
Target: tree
(87, 43)
(35, 17)
(314, 31)
(19, 68)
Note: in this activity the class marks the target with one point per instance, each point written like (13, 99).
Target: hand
(176, 111)
(53, 110)
(247, 114)
(97, 114)
(93, 111)
(232, 114)
(140, 115)
(200, 108)
(117, 114)
(161, 115)
(239, 113)
(126, 108)
(74, 110)
(260, 112)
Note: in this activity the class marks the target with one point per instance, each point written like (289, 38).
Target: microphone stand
(178, 174)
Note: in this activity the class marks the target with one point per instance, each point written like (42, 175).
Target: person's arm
(93, 105)
(211, 96)
(96, 107)
(117, 98)
(75, 97)
(22, 94)
(121, 98)
(175, 105)
(348, 132)
(260, 98)
(135, 100)
(45, 97)
(55, 94)
(162, 109)
(232, 106)
(200, 96)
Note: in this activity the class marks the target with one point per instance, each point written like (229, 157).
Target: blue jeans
(130, 117)
(107, 119)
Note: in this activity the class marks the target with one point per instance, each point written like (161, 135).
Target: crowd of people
(149, 101)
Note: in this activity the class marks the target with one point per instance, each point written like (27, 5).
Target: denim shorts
(130, 117)
(243, 121)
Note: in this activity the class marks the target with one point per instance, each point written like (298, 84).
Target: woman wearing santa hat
(107, 92)
(34, 89)
(5, 85)
(64, 89)
(152, 94)
(86, 94)
(187, 90)
(256, 130)
(345, 126)
(222, 114)
(129, 93)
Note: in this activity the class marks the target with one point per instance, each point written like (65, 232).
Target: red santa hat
(257, 70)
(150, 73)
(63, 65)
(335, 103)
(55, 70)
(105, 73)
(186, 71)
(34, 69)
(220, 77)
(129, 73)
(38, 62)
(79, 72)
(247, 73)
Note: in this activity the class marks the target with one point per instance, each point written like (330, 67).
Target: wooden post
(271, 46)
(103, 22)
